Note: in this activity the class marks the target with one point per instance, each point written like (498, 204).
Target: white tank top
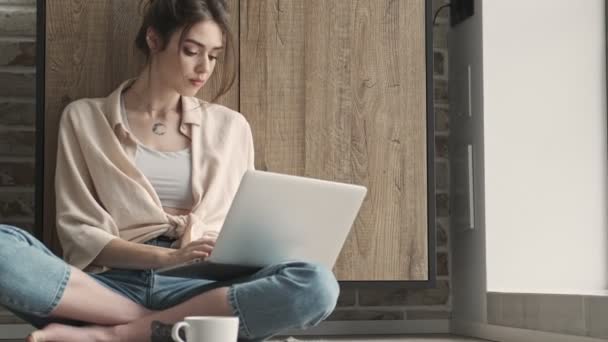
(170, 173)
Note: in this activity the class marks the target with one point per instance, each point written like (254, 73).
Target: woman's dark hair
(168, 16)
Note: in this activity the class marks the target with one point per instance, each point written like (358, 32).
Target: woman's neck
(149, 97)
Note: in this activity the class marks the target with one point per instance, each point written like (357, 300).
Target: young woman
(144, 179)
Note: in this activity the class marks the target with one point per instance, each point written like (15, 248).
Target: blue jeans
(287, 295)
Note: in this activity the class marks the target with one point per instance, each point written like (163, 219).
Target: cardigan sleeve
(83, 225)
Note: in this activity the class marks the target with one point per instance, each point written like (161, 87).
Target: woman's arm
(120, 253)
(87, 232)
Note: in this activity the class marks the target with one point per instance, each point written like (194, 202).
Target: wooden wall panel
(89, 52)
(336, 89)
(333, 89)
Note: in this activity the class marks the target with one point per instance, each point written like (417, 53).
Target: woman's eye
(213, 57)
(190, 53)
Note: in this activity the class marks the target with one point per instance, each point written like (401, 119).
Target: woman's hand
(197, 249)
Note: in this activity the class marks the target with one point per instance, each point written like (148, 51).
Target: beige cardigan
(101, 195)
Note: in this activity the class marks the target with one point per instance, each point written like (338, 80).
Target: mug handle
(175, 330)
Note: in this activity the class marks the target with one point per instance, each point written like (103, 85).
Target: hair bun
(221, 3)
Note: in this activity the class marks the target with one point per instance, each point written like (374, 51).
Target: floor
(412, 338)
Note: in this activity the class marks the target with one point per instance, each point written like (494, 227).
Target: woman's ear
(152, 39)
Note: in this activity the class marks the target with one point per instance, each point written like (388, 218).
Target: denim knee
(322, 290)
(12, 231)
(9, 235)
(24, 263)
(291, 294)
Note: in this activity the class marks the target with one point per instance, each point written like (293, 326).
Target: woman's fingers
(200, 247)
(210, 233)
(203, 240)
(199, 254)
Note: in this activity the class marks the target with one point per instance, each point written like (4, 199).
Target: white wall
(545, 143)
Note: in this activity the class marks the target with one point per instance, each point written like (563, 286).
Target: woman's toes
(34, 337)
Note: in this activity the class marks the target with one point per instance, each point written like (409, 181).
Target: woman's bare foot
(65, 333)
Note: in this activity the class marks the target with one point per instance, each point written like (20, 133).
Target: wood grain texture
(89, 51)
(335, 89)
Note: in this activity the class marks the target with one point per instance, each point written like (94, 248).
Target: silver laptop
(275, 218)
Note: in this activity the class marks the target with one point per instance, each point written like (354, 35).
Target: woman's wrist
(163, 257)
(120, 253)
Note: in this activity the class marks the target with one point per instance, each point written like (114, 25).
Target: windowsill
(569, 312)
(566, 292)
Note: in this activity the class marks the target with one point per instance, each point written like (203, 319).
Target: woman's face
(187, 72)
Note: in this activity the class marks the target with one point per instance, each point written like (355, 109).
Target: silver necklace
(158, 128)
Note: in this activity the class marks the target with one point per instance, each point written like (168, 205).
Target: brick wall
(17, 116)
(17, 111)
(17, 141)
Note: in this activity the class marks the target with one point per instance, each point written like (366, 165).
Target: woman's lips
(197, 83)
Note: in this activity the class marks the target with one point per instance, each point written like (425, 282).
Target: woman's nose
(204, 66)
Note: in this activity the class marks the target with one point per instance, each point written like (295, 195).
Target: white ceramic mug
(207, 328)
